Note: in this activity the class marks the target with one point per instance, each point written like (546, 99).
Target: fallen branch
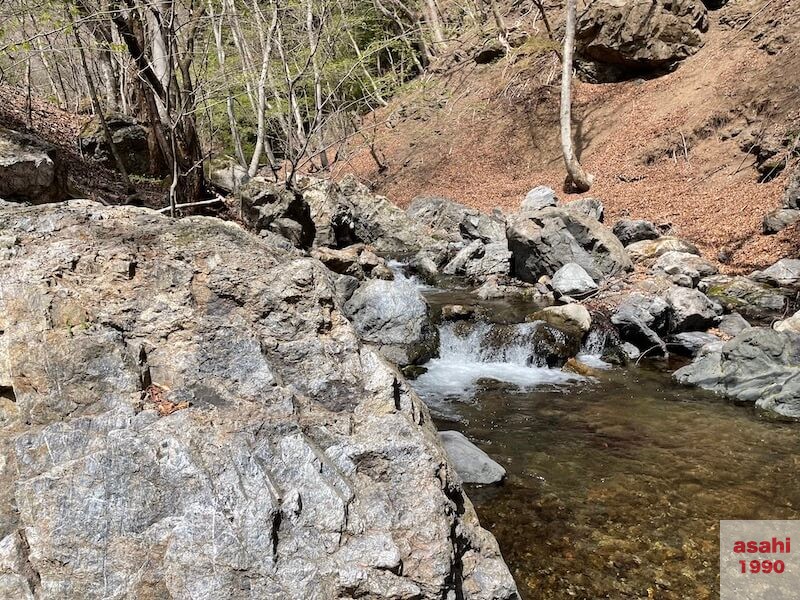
(190, 204)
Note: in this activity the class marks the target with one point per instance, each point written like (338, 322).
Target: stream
(616, 483)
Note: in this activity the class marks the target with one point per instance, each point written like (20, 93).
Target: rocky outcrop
(471, 463)
(30, 169)
(186, 413)
(271, 207)
(394, 317)
(759, 365)
(456, 220)
(477, 260)
(130, 140)
(640, 36)
(542, 242)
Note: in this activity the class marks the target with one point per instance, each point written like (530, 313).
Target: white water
(399, 270)
(463, 360)
(593, 349)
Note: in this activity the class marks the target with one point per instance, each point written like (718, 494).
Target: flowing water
(616, 483)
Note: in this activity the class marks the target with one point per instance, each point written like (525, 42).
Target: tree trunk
(580, 179)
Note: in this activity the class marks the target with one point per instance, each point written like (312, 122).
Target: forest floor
(666, 149)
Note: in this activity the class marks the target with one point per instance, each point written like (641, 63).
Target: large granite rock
(591, 207)
(394, 317)
(130, 140)
(572, 280)
(538, 198)
(268, 206)
(779, 219)
(542, 242)
(187, 413)
(30, 169)
(456, 220)
(750, 298)
(637, 36)
(641, 320)
(759, 365)
(785, 272)
(691, 310)
(477, 260)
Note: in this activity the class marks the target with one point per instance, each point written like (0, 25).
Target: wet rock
(547, 345)
(478, 260)
(544, 241)
(191, 398)
(538, 198)
(470, 462)
(457, 312)
(791, 324)
(456, 220)
(573, 365)
(591, 207)
(640, 36)
(780, 219)
(683, 268)
(689, 343)
(502, 287)
(651, 249)
(393, 316)
(130, 139)
(742, 294)
(30, 169)
(785, 272)
(641, 319)
(733, 324)
(572, 280)
(568, 316)
(630, 231)
(759, 365)
(691, 310)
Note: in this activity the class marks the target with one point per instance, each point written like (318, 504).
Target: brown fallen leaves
(156, 396)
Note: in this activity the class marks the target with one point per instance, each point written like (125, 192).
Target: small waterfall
(592, 350)
(400, 270)
(502, 353)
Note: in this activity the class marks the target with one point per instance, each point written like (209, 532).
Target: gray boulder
(733, 324)
(591, 207)
(791, 324)
(750, 298)
(759, 365)
(641, 320)
(30, 170)
(181, 394)
(690, 310)
(780, 219)
(227, 175)
(646, 250)
(630, 231)
(785, 272)
(394, 317)
(271, 207)
(573, 280)
(471, 463)
(639, 36)
(683, 268)
(477, 261)
(568, 316)
(538, 198)
(130, 140)
(457, 220)
(542, 242)
(689, 343)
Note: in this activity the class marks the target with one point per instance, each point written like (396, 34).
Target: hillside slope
(669, 149)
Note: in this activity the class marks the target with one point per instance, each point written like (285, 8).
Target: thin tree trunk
(580, 179)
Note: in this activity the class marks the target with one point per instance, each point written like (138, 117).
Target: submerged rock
(469, 461)
(759, 365)
(542, 242)
(188, 397)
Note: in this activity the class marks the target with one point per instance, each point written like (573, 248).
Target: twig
(189, 204)
(685, 149)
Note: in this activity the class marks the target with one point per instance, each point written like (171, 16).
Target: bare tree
(576, 175)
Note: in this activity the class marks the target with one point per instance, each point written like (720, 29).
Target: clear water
(616, 483)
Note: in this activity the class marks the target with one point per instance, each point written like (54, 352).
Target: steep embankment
(670, 149)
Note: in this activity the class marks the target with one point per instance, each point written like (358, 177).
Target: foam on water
(592, 350)
(465, 359)
(400, 269)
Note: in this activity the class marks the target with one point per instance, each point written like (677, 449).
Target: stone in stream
(759, 365)
(470, 462)
(752, 299)
(394, 317)
(690, 310)
(541, 242)
(573, 280)
(689, 343)
(478, 261)
(538, 198)
(640, 320)
(31, 170)
(187, 396)
(629, 231)
(732, 324)
(683, 268)
(568, 316)
(785, 272)
(779, 219)
(591, 207)
(651, 249)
